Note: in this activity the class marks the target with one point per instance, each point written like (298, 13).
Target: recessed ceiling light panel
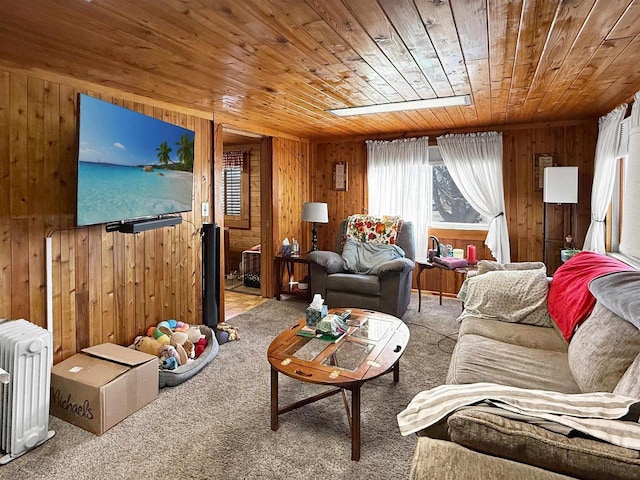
(402, 106)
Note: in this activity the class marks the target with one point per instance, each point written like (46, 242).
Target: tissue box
(314, 316)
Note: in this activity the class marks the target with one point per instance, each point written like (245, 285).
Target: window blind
(232, 166)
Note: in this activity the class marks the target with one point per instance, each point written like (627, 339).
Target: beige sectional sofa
(603, 355)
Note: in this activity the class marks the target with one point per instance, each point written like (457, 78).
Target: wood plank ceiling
(277, 65)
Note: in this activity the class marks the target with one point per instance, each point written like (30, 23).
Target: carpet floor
(217, 424)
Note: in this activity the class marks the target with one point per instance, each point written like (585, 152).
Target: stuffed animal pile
(174, 343)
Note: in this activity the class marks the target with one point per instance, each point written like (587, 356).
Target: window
(235, 175)
(625, 194)
(449, 208)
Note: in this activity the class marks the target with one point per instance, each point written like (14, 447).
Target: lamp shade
(315, 212)
(561, 185)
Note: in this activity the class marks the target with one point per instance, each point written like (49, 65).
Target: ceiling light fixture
(401, 106)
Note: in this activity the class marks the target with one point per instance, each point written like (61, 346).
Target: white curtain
(630, 235)
(397, 175)
(603, 177)
(474, 162)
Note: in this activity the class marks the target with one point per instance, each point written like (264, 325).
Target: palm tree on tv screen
(185, 151)
(163, 153)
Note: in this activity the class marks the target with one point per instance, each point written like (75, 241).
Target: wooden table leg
(278, 278)
(274, 399)
(418, 285)
(441, 273)
(355, 423)
(396, 372)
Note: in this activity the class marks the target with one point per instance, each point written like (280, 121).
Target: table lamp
(315, 212)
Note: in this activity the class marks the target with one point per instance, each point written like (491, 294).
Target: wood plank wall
(291, 170)
(341, 204)
(572, 142)
(108, 287)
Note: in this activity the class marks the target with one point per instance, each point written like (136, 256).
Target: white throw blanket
(596, 414)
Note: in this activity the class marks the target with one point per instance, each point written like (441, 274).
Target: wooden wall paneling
(217, 191)
(203, 163)
(341, 204)
(291, 179)
(106, 286)
(83, 320)
(20, 268)
(151, 311)
(267, 204)
(5, 195)
(37, 203)
(107, 293)
(95, 284)
(65, 341)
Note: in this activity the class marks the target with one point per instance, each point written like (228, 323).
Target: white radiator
(26, 356)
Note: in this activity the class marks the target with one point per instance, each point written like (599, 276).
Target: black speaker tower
(210, 274)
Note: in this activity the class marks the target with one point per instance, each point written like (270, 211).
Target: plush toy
(178, 338)
(190, 348)
(170, 364)
(194, 334)
(231, 331)
(147, 345)
(200, 346)
(168, 351)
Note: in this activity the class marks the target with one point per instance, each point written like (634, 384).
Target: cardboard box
(102, 386)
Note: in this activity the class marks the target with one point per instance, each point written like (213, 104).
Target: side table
(280, 261)
(423, 264)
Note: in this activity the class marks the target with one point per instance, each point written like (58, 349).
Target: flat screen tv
(130, 166)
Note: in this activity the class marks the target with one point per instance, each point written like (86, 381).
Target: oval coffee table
(372, 347)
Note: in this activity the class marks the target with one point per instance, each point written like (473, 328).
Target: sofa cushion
(602, 349)
(619, 293)
(628, 384)
(523, 442)
(510, 295)
(354, 282)
(479, 359)
(530, 336)
(441, 460)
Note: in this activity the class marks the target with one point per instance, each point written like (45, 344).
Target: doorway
(242, 221)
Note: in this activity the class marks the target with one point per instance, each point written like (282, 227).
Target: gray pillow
(517, 296)
(602, 349)
(619, 293)
(485, 266)
(331, 261)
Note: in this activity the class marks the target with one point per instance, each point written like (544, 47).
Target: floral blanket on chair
(382, 229)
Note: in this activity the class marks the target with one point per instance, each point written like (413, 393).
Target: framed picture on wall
(341, 176)
(540, 162)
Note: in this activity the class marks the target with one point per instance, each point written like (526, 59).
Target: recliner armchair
(388, 290)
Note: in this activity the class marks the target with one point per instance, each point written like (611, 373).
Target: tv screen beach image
(130, 165)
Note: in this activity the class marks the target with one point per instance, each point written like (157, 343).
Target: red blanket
(570, 302)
